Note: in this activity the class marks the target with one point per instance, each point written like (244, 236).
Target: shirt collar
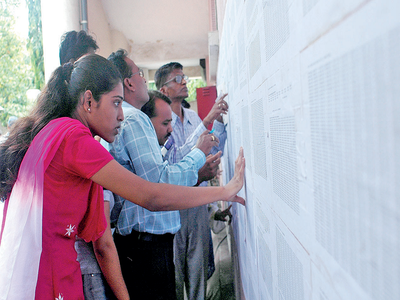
(127, 105)
(185, 117)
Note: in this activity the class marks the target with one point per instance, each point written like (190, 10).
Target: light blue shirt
(136, 148)
(186, 134)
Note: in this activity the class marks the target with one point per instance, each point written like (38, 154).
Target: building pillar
(58, 17)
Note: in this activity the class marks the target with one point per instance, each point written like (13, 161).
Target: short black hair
(149, 107)
(161, 75)
(118, 59)
(75, 44)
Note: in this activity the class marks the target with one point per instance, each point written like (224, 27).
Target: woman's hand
(236, 183)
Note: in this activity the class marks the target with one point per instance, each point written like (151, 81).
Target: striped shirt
(136, 148)
(186, 134)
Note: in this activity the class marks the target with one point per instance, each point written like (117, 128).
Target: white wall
(62, 16)
(99, 28)
(108, 40)
(314, 100)
(58, 17)
(161, 31)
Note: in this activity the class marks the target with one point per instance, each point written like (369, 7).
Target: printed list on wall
(314, 96)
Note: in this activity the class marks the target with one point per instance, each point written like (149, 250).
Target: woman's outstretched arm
(160, 196)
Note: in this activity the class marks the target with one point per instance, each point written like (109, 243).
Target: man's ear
(164, 90)
(87, 100)
(129, 84)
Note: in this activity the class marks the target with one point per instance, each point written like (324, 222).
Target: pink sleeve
(84, 155)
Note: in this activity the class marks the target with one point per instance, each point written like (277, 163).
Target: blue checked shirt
(136, 148)
(187, 133)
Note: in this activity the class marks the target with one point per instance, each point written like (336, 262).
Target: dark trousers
(147, 264)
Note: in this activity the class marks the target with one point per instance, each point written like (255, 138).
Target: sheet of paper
(314, 101)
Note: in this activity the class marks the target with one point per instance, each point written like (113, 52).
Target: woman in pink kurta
(51, 173)
(68, 212)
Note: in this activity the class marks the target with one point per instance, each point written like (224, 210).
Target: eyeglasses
(140, 72)
(178, 79)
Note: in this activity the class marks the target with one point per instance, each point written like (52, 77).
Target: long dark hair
(59, 99)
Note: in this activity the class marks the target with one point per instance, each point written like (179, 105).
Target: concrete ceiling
(160, 31)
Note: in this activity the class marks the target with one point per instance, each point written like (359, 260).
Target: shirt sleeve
(83, 155)
(141, 145)
(220, 133)
(175, 153)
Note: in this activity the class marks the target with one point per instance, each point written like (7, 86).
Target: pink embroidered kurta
(72, 204)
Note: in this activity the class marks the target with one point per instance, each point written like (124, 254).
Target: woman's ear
(87, 100)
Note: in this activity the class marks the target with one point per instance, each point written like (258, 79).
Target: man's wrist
(206, 123)
(199, 181)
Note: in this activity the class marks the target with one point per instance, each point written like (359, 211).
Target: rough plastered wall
(314, 89)
(108, 39)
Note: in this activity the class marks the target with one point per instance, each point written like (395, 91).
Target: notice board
(314, 99)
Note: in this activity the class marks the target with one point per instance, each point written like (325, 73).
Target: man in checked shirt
(144, 239)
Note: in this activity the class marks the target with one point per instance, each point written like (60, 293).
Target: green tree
(192, 86)
(35, 42)
(15, 73)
